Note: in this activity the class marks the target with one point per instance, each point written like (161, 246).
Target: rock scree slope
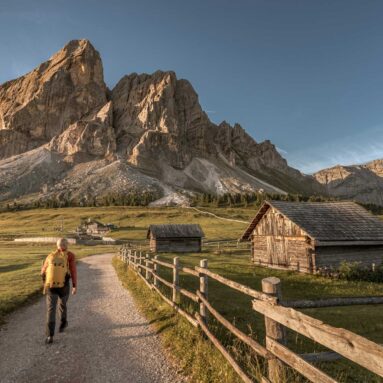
(61, 128)
(107, 340)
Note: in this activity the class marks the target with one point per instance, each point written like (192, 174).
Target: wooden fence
(278, 316)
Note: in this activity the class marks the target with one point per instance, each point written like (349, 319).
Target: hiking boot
(49, 340)
(63, 326)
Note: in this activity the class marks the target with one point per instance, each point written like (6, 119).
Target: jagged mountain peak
(43, 103)
(148, 131)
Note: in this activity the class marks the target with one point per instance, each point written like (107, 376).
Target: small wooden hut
(309, 236)
(173, 238)
(93, 227)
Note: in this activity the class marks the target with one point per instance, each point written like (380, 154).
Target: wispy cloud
(349, 150)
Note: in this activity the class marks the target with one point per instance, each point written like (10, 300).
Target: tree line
(252, 199)
(226, 200)
(113, 199)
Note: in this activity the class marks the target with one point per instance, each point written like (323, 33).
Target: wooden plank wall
(177, 245)
(278, 242)
(332, 256)
(274, 223)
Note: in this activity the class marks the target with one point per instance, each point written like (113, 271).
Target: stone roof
(176, 231)
(326, 221)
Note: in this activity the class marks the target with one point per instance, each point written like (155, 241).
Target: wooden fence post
(272, 286)
(125, 259)
(140, 262)
(203, 288)
(147, 275)
(135, 260)
(156, 269)
(176, 295)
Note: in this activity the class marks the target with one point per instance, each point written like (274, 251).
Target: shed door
(277, 251)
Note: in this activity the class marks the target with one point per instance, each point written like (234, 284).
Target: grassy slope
(133, 222)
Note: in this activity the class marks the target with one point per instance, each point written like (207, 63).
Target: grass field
(20, 262)
(133, 222)
(19, 266)
(363, 320)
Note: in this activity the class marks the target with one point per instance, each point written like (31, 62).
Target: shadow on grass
(7, 269)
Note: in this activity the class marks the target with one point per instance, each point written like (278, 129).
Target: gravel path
(107, 340)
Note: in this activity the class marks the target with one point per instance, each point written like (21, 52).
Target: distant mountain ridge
(64, 134)
(363, 183)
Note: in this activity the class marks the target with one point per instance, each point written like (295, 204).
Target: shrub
(354, 271)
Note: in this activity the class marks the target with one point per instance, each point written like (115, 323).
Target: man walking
(58, 268)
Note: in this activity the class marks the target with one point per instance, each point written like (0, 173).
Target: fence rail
(278, 318)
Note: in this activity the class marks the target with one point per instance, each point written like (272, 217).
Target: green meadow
(20, 281)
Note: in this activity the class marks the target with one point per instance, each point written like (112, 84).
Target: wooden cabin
(310, 236)
(93, 227)
(175, 238)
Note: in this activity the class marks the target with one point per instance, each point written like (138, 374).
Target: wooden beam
(203, 289)
(293, 360)
(325, 356)
(259, 349)
(274, 330)
(156, 269)
(237, 286)
(188, 294)
(165, 264)
(143, 278)
(164, 281)
(332, 302)
(176, 281)
(301, 238)
(188, 270)
(352, 346)
(177, 308)
(222, 349)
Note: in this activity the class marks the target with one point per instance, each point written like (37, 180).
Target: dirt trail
(217, 216)
(107, 340)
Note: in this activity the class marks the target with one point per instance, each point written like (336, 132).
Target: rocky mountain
(42, 104)
(362, 183)
(63, 132)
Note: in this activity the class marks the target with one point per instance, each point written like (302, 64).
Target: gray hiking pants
(52, 296)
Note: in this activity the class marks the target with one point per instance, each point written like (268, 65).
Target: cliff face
(42, 104)
(92, 135)
(149, 128)
(159, 116)
(362, 183)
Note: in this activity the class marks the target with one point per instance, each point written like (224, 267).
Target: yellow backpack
(57, 269)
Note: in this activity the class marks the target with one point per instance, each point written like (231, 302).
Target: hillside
(362, 183)
(64, 134)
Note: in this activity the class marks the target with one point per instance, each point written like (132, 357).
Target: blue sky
(306, 74)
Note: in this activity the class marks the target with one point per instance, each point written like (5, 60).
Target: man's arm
(44, 268)
(73, 271)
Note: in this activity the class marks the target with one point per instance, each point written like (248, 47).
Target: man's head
(62, 244)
